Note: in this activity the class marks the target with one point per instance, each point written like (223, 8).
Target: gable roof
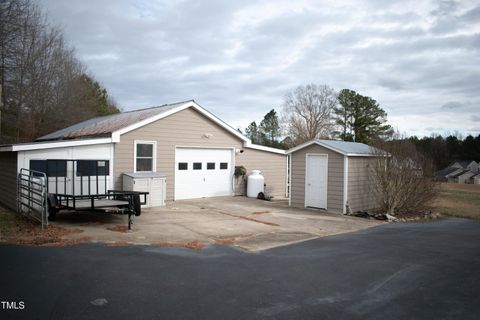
(445, 171)
(108, 129)
(105, 125)
(118, 124)
(463, 163)
(462, 172)
(468, 173)
(343, 147)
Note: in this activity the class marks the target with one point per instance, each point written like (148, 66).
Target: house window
(223, 165)
(145, 152)
(92, 168)
(52, 168)
(183, 166)
(197, 166)
(210, 165)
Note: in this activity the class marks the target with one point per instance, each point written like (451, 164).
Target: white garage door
(202, 173)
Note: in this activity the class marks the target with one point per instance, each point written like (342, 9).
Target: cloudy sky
(419, 59)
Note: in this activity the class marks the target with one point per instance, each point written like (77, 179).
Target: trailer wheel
(52, 212)
(137, 205)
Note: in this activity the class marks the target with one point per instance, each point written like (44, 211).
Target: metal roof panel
(106, 125)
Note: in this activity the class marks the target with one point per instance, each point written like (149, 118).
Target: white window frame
(154, 154)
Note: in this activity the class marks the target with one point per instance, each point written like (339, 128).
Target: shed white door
(202, 173)
(316, 181)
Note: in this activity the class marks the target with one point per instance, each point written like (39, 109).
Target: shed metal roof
(104, 126)
(344, 147)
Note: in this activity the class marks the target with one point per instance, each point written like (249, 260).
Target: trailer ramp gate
(32, 195)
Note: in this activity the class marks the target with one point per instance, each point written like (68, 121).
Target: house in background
(459, 171)
(475, 179)
(465, 176)
(470, 165)
(196, 152)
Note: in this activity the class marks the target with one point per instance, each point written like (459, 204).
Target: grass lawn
(458, 200)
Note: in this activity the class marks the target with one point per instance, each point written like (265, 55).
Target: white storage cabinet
(153, 183)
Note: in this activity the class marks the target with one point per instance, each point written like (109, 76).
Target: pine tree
(253, 133)
(269, 128)
(361, 118)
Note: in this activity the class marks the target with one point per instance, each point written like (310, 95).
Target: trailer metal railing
(32, 195)
(75, 185)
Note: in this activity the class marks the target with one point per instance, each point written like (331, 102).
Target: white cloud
(419, 59)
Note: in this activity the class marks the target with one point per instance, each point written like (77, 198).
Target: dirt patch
(250, 219)
(260, 212)
(17, 229)
(91, 223)
(225, 241)
(117, 244)
(122, 229)
(194, 245)
(260, 221)
(68, 242)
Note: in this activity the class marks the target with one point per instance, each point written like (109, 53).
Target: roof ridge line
(160, 106)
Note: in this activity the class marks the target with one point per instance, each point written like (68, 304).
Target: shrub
(401, 178)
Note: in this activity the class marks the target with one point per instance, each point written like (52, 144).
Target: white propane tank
(255, 183)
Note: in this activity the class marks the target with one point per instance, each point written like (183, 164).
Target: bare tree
(307, 112)
(45, 87)
(401, 178)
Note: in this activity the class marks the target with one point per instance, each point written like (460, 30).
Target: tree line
(44, 87)
(444, 150)
(319, 112)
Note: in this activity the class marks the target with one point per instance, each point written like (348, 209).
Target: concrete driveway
(249, 224)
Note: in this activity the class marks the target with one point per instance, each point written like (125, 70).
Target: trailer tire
(137, 207)
(52, 212)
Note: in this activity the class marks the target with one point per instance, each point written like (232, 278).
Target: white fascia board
(309, 143)
(116, 135)
(60, 144)
(300, 146)
(361, 155)
(250, 145)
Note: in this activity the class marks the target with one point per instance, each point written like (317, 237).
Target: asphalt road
(397, 271)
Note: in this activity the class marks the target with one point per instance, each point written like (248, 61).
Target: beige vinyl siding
(335, 177)
(360, 192)
(8, 179)
(187, 128)
(272, 165)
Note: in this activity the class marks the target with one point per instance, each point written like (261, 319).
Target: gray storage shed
(331, 175)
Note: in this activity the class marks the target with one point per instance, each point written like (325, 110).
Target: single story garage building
(195, 150)
(331, 175)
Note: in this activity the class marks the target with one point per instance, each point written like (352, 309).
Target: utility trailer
(73, 185)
